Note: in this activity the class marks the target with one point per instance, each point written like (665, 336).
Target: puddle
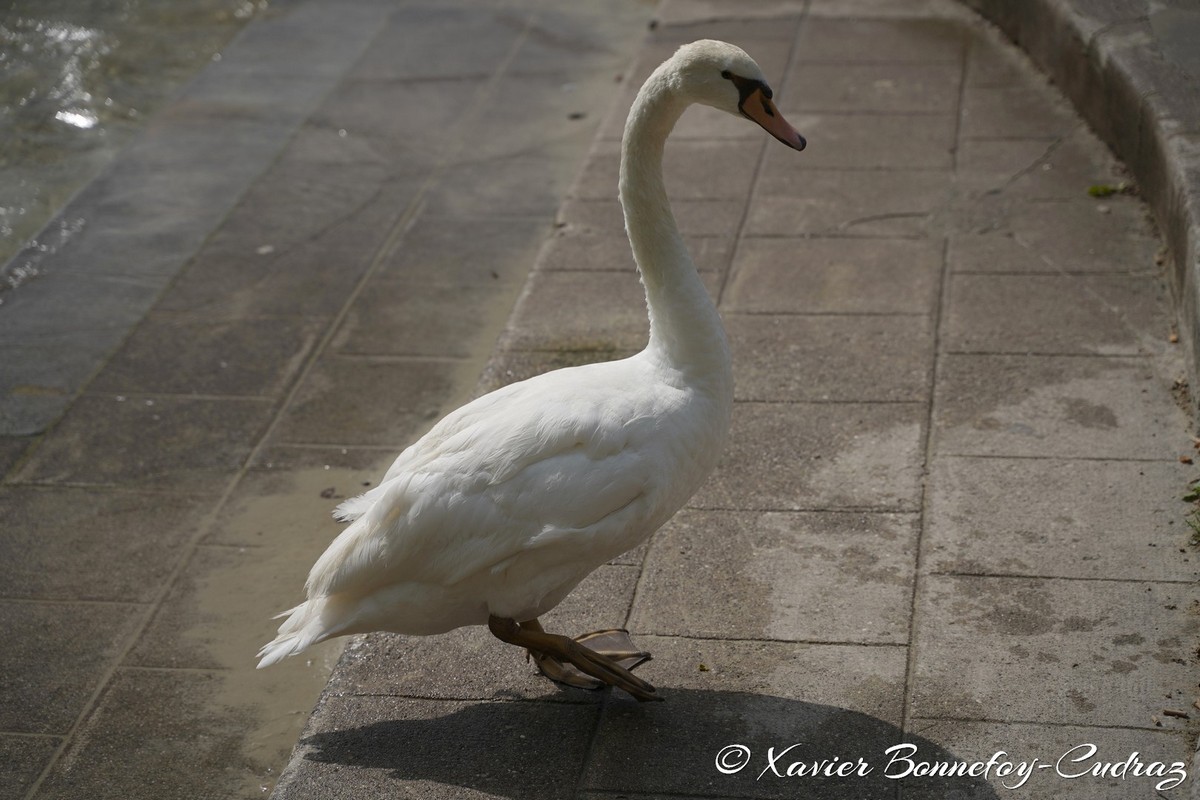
(266, 543)
(77, 80)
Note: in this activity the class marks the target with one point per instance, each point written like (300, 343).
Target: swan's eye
(726, 74)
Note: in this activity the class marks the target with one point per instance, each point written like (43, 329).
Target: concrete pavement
(1133, 72)
(949, 515)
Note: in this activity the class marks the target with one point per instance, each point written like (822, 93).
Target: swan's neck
(685, 329)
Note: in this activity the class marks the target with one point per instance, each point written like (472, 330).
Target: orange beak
(757, 106)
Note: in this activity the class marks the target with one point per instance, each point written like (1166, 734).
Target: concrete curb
(1125, 68)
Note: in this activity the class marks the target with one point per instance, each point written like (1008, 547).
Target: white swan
(509, 502)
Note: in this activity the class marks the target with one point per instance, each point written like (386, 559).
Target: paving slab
(192, 445)
(885, 204)
(145, 720)
(1118, 315)
(891, 41)
(500, 188)
(834, 275)
(53, 337)
(1079, 760)
(12, 448)
(541, 113)
(55, 659)
(100, 307)
(809, 456)
(290, 487)
(1026, 245)
(84, 544)
(1116, 520)
(846, 141)
(828, 358)
(516, 365)
(876, 88)
(434, 249)
(1053, 406)
(245, 272)
(1065, 167)
(439, 51)
(565, 40)
(814, 577)
(22, 759)
(419, 318)
(193, 354)
(39, 378)
(1019, 112)
(364, 107)
(1053, 651)
(342, 391)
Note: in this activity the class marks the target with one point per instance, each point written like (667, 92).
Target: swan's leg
(551, 645)
(554, 668)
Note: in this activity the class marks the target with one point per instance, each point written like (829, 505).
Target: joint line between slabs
(72, 601)
(30, 735)
(805, 509)
(752, 640)
(1074, 578)
(475, 700)
(1166, 459)
(943, 298)
(1047, 723)
(111, 488)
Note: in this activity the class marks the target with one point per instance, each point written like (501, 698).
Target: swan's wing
(492, 492)
(427, 448)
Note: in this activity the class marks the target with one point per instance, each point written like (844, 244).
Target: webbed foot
(561, 658)
(614, 644)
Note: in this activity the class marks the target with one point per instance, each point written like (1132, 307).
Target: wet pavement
(948, 515)
(77, 81)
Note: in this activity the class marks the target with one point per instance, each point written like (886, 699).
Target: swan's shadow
(554, 749)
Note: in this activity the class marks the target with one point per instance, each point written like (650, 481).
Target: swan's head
(721, 75)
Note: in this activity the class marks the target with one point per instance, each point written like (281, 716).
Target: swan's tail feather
(306, 625)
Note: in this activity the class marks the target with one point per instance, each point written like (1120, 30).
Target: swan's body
(513, 499)
(509, 502)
